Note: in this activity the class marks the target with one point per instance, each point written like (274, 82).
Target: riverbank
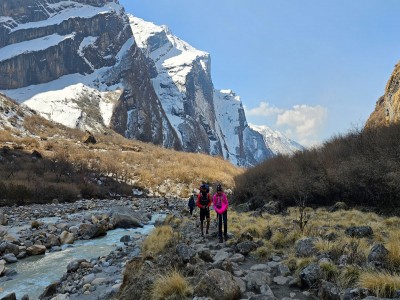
(59, 228)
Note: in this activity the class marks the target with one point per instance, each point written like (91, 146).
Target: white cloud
(264, 109)
(303, 123)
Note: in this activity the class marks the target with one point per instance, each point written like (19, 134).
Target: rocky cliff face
(76, 62)
(387, 110)
(206, 120)
(87, 64)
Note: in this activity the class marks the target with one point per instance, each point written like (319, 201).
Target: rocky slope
(387, 110)
(12, 115)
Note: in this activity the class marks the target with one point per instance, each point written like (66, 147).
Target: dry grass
(382, 284)
(141, 165)
(393, 245)
(157, 241)
(348, 277)
(171, 286)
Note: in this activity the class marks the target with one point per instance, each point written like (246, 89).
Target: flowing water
(37, 272)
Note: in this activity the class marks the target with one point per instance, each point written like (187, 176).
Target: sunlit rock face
(205, 119)
(77, 63)
(89, 65)
(387, 110)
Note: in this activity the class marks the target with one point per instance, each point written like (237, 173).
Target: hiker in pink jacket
(220, 203)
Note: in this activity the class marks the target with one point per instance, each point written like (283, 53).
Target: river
(37, 272)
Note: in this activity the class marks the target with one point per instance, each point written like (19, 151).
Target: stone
(205, 254)
(3, 218)
(305, 247)
(246, 247)
(2, 269)
(280, 280)
(260, 267)
(10, 258)
(359, 231)
(378, 255)
(50, 290)
(74, 265)
(99, 281)
(89, 231)
(120, 220)
(328, 291)
(7, 247)
(36, 250)
(9, 297)
(185, 252)
(218, 284)
(220, 256)
(310, 275)
(67, 238)
(256, 279)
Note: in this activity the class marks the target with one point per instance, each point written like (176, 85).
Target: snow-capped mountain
(276, 141)
(205, 119)
(77, 63)
(87, 64)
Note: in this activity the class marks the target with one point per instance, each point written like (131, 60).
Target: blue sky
(310, 69)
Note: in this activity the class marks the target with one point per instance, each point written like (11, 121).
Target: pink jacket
(222, 200)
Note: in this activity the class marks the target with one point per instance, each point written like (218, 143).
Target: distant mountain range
(89, 65)
(276, 141)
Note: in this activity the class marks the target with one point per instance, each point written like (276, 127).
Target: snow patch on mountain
(276, 141)
(64, 10)
(66, 99)
(35, 45)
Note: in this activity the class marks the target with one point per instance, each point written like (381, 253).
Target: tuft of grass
(329, 271)
(157, 241)
(265, 251)
(393, 245)
(171, 286)
(382, 284)
(301, 263)
(348, 276)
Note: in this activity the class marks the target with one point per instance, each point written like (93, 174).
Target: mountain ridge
(86, 65)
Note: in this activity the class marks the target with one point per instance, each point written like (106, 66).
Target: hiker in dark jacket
(191, 204)
(204, 202)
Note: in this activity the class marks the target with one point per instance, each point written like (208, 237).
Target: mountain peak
(277, 141)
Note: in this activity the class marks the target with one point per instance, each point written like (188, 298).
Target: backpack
(205, 199)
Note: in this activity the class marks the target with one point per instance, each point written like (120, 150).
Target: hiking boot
(207, 231)
(221, 240)
(226, 237)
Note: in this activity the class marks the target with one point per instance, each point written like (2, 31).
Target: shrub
(361, 167)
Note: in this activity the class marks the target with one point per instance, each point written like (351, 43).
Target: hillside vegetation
(361, 168)
(45, 161)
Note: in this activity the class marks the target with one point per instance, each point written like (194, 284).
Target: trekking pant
(223, 217)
